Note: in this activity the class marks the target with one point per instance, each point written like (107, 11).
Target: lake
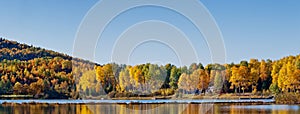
(141, 106)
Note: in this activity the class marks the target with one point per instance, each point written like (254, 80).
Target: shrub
(274, 88)
(111, 94)
(288, 98)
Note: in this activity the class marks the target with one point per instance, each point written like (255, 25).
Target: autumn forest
(28, 70)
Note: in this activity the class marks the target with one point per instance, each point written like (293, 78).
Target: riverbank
(283, 98)
(288, 98)
(16, 96)
(194, 97)
(194, 101)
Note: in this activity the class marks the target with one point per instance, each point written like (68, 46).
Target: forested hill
(28, 70)
(32, 70)
(11, 50)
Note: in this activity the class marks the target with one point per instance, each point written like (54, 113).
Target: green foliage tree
(218, 82)
(174, 77)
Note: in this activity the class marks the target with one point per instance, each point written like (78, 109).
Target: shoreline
(202, 101)
(185, 99)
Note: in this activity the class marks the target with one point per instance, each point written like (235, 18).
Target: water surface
(69, 107)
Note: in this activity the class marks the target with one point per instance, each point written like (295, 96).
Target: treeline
(150, 79)
(27, 70)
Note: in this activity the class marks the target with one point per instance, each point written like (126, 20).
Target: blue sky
(251, 28)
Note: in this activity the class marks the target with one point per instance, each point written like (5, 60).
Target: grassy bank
(281, 98)
(287, 98)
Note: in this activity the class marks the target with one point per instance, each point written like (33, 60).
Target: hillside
(32, 70)
(11, 50)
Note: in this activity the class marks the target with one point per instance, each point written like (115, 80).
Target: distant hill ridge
(11, 50)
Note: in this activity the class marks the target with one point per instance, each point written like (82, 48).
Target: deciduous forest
(28, 70)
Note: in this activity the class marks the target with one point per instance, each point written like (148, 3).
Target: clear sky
(251, 28)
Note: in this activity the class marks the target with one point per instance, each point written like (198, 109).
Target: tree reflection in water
(146, 109)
